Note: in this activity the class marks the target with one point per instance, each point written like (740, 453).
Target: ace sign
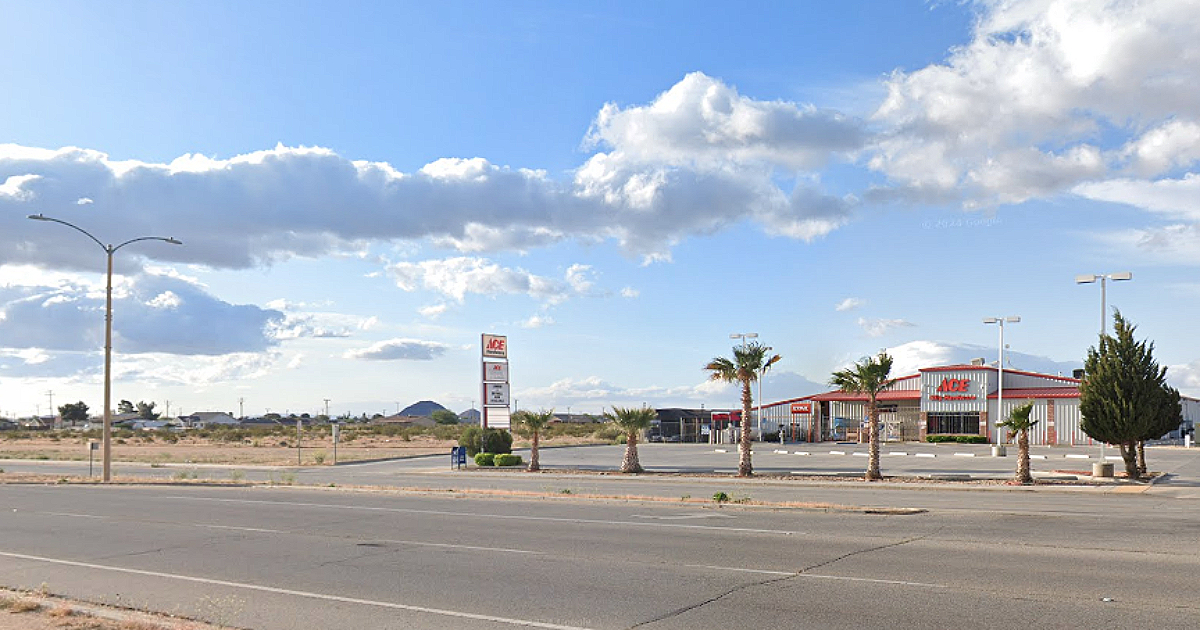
(497, 394)
(495, 346)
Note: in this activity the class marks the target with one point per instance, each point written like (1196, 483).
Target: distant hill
(470, 415)
(424, 408)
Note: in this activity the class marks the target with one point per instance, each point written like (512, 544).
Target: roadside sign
(495, 346)
(495, 372)
(497, 394)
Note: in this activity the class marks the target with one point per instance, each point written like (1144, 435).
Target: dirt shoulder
(36, 611)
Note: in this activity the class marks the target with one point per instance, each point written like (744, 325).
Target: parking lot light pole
(106, 474)
(1104, 278)
(1000, 379)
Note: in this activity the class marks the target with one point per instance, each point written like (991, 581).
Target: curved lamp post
(110, 250)
(1000, 397)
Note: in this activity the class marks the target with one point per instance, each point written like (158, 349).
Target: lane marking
(261, 530)
(233, 527)
(816, 576)
(308, 594)
(548, 519)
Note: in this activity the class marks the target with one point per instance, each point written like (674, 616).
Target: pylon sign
(495, 386)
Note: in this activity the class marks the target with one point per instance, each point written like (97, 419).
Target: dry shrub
(23, 605)
(62, 611)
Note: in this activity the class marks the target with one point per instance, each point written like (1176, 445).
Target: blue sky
(364, 188)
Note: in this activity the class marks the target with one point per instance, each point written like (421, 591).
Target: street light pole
(1104, 278)
(1000, 389)
(109, 250)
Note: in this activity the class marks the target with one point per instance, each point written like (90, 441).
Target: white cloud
(629, 293)
(151, 314)
(914, 355)
(1185, 378)
(849, 304)
(433, 311)
(1031, 106)
(1175, 198)
(701, 120)
(1171, 244)
(537, 321)
(457, 277)
(400, 350)
(880, 327)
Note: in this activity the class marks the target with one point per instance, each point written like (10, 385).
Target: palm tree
(534, 422)
(1019, 422)
(632, 420)
(870, 377)
(750, 361)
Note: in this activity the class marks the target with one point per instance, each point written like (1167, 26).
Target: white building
(946, 400)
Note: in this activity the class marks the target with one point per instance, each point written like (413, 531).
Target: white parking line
(964, 454)
(801, 453)
(1074, 456)
(837, 452)
(306, 594)
(929, 455)
(898, 453)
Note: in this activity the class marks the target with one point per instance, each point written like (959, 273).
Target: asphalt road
(276, 558)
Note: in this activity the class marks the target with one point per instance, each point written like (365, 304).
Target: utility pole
(241, 410)
(51, 395)
(327, 409)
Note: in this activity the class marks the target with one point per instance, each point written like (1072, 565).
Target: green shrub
(470, 440)
(938, 439)
(485, 459)
(972, 439)
(507, 459)
(720, 497)
(609, 432)
(495, 441)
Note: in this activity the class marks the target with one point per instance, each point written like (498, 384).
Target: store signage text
(495, 346)
(802, 407)
(954, 389)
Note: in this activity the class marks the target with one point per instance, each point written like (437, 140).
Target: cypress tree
(1124, 397)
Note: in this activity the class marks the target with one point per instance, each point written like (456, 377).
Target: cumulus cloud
(1170, 244)
(849, 304)
(400, 350)
(698, 158)
(152, 313)
(457, 277)
(1185, 377)
(1032, 104)
(537, 321)
(1174, 198)
(914, 355)
(880, 327)
(629, 293)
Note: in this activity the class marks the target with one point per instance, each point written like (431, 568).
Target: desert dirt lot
(273, 449)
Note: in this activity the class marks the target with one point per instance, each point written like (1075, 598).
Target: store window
(957, 422)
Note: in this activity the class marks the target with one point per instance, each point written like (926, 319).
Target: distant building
(201, 419)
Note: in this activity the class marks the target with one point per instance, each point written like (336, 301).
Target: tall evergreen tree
(1124, 397)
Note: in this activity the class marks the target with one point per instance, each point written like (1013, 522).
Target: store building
(945, 400)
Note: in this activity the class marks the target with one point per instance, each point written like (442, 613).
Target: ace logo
(495, 346)
(954, 385)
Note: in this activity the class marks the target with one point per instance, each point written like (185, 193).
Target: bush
(960, 439)
(770, 437)
(470, 440)
(610, 433)
(495, 441)
(485, 459)
(505, 459)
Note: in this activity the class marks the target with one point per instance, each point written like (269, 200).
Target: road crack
(775, 580)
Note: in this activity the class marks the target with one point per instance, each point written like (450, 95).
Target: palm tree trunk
(1129, 454)
(1024, 476)
(745, 468)
(630, 464)
(534, 466)
(873, 473)
(1141, 454)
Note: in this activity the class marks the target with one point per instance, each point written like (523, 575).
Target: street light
(1104, 278)
(109, 250)
(1000, 391)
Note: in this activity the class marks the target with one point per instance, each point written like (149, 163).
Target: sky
(362, 189)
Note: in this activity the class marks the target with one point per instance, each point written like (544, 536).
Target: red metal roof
(1039, 392)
